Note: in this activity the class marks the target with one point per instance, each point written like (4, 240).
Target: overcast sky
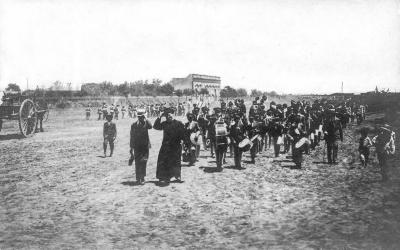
(287, 46)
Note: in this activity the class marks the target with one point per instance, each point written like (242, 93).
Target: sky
(299, 46)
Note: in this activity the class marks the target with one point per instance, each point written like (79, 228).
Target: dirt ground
(57, 192)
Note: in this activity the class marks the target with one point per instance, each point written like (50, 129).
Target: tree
(166, 89)
(203, 91)
(228, 92)
(187, 92)
(13, 87)
(255, 93)
(241, 92)
(178, 92)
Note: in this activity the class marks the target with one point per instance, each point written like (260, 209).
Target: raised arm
(157, 124)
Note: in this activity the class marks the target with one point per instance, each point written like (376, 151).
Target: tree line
(154, 87)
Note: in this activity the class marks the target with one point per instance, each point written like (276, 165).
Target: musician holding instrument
(192, 133)
(237, 134)
(385, 147)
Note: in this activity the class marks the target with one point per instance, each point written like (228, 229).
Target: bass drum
(245, 145)
(302, 143)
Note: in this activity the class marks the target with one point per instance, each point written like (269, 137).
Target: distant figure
(99, 112)
(123, 111)
(88, 110)
(109, 134)
(116, 112)
(385, 146)
(364, 144)
(140, 144)
(104, 108)
(169, 158)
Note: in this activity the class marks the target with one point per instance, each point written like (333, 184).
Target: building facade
(197, 82)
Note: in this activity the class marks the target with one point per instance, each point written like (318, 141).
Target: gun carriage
(28, 113)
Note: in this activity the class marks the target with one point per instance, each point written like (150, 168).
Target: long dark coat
(140, 140)
(169, 157)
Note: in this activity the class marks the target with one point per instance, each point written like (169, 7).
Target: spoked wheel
(46, 115)
(27, 118)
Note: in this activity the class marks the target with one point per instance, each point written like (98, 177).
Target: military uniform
(333, 132)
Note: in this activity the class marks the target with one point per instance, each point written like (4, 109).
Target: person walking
(109, 134)
(385, 146)
(169, 157)
(333, 132)
(140, 145)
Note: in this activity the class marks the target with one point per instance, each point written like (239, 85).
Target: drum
(220, 130)
(245, 144)
(195, 138)
(303, 142)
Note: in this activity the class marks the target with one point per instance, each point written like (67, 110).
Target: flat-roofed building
(197, 82)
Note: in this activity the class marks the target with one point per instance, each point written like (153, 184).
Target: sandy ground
(57, 192)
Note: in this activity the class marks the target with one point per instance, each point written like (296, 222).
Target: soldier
(333, 132)
(385, 146)
(111, 110)
(252, 130)
(221, 141)
(169, 157)
(140, 144)
(109, 134)
(210, 127)
(104, 110)
(363, 148)
(192, 149)
(237, 135)
(276, 132)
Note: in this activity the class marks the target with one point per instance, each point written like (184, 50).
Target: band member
(276, 131)
(333, 132)
(169, 157)
(191, 148)
(252, 130)
(88, 110)
(237, 135)
(140, 144)
(364, 146)
(109, 134)
(211, 136)
(385, 146)
(221, 141)
(297, 150)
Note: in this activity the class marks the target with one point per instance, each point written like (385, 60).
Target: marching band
(296, 128)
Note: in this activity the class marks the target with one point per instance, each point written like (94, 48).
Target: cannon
(29, 114)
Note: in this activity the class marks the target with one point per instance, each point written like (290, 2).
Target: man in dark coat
(333, 132)
(140, 144)
(169, 157)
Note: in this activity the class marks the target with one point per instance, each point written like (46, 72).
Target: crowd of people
(131, 110)
(293, 129)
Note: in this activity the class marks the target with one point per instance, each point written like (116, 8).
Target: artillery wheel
(27, 118)
(46, 115)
